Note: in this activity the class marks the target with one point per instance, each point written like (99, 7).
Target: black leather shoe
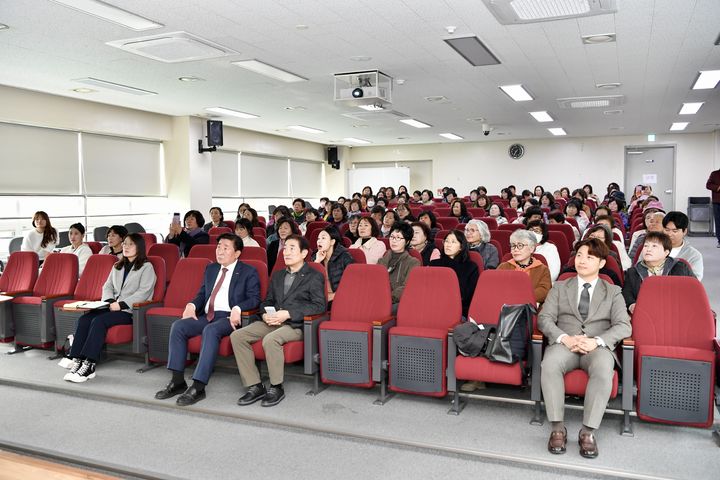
(275, 394)
(170, 390)
(254, 393)
(191, 396)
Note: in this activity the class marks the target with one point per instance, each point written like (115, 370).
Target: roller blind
(121, 166)
(38, 160)
(225, 174)
(305, 178)
(263, 176)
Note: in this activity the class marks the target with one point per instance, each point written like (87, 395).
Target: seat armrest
(628, 373)
(145, 304)
(19, 293)
(380, 346)
(314, 318)
(629, 342)
(537, 336)
(139, 343)
(381, 322)
(58, 296)
(311, 347)
(452, 327)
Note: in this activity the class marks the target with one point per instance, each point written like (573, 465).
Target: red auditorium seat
(183, 287)
(511, 227)
(441, 211)
(476, 212)
(89, 287)
(674, 350)
(317, 225)
(33, 314)
(351, 342)
(510, 213)
(203, 251)
(261, 240)
(95, 247)
(259, 232)
(503, 238)
(490, 222)
(448, 223)
(219, 231)
(558, 239)
(418, 346)
(168, 252)
(18, 278)
(477, 258)
(495, 288)
(150, 240)
(566, 230)
(254, 253)
(358, 255)
(230, 224)
(135, 333)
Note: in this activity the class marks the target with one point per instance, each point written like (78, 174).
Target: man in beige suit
(583, 318)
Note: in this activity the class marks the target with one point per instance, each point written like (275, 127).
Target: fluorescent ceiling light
(599, 38)
(269, 71)
(356, 140)
(516, 92)
(3, 26)
(415, 123)
(301, 128)
(451, 136)
(707, 79)
(372, 108)
(232, 113)
(557, 131)
(635, 152)
(113, 86)
(111, 13)
(542, 116)
(690, 108)
(677, 126)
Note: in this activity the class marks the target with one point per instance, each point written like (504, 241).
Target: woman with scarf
(192, 234)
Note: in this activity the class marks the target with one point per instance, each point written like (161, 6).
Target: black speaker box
(214, 133)
(332, 155)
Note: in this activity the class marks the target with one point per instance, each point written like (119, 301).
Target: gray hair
(483, 228)
(524, 236)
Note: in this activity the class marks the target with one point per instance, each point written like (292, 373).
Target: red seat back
(448, 223)
(612, 264)
(203, 251)
(413, 253)
(358, 255)
(262, 273)
(316, 225)
(150, 240)
(476, 212)
(503, 238)
(259, 232)
(96, 272)
(230, 224)
(431, 299)
(185, 282)
(510, 213)
(496, 288)
(566, 230)
(511, 227)
(58, 276)
(558, 239)
(261, 240)
(441, 211)
(159, 266)
(95, 247)
(374, 303)
(219, 230)
(254, 253)
(477, 258)
(168, 252)
(21, 272)
(490, 222)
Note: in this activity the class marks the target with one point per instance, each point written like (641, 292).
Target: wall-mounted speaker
(214, 133)
(332, 155)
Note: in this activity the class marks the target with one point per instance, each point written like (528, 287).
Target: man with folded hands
(583, 318)
(229, 288)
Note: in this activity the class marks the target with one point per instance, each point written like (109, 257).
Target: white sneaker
(67, 363)
(76, 364)
(84, 373)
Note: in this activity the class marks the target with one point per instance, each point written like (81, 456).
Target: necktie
(584, 305)
(211, 307)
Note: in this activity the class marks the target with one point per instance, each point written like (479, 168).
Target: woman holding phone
(192, 234)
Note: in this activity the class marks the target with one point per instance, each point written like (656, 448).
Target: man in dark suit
(294, 292)
(229, 288)
(583, 318)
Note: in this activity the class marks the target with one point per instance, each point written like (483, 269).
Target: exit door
(654, 166)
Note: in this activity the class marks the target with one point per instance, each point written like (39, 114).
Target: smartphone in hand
(176, 218)
(270, 310)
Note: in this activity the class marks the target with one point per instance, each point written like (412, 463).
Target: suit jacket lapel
(572, 286)
(598, 295)
(233, 280)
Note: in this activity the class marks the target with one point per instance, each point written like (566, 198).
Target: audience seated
(115, 236)
(477, 235)
(217, 219)
(556, 216)
(398, 261)
(42, 239)
(338, 215)
(459, 211)
(76, 233)
(243, 229)
(496, 211)
(252, 215)
(429, 219)
(192, 234)
(311, 215)
(426, 197)
(298, 211)
(545, 248)
(609, 222)
(574, 209)
(389, 219)
(601, 231)
(131, 280)
(675, 225)
(456, 255)
(285, 227)
(368, 232)
(352, 228)
(421, 243)
(653, 223)
(522, 246)
(333, 256)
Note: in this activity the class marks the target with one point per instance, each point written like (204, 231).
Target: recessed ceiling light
(83, 90)
(360, 58)
(599, 38)
(360, 125)
(95, 82)
(608, 86)
(542, 116)
(476, 120)
(230, 112)
(651, 137)
(190, 78)
(400, 81)
(301, 26)
(402, 138)
(707, 79)
(613, 112)
(372, 108)
(269, 71)
(690, 108)
(415, 123)
(111, 14)
(557, 131)
(516, 92)
(617, 128)
(297, 107)
(301, 128)
(451, 136)
(3, 26)
(356, 140)
(437, 99)
(677, 126)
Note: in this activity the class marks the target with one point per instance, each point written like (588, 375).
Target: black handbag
(470, 339)
(509, 341)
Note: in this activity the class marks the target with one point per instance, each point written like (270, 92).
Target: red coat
(713, 184)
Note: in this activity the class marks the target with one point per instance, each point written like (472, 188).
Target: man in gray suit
(294, 292)
(583, 318)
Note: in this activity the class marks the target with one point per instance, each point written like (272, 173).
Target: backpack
(508, 342)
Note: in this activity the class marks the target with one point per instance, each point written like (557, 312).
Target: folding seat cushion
(18, 279)
(418, 347)
(33, 315)
(168, 252)
(347, 339)
(89, 287)
(203, 251)
(183, 287)
(673, 331)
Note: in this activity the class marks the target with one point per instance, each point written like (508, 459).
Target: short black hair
(222, 215)
(680, 220)
(302, 241)
(530, 212)
(557, 215)
(302, 202)
(543, 227)
(405, 230)
(291, 222)
(119, 230)
(244, 223)
(378, 209)
(464, 252)
(199, 219)
(237, 241)
(431, 216)
(79, 227)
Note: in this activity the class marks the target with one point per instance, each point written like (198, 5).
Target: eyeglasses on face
(396, 238)
(517, 246)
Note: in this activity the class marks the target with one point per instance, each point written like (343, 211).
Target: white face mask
(538, 236)
(370, 204)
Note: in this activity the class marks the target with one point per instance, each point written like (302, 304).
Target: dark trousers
(91, 330)
(716, 211)
(212, 333)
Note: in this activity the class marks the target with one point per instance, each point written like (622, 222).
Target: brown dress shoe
(588, 446)
(557, 442)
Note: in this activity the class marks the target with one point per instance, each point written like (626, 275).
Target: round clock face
(516, 150)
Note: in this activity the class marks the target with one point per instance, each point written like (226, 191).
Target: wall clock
(516, 151)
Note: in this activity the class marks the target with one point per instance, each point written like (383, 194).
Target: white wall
(552, 163)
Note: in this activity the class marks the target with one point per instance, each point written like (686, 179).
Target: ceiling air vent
(512, 12)
(592, 102)
(172, 47)
(385, 115)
